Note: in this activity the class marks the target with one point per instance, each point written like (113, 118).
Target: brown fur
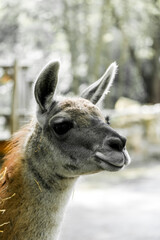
(11, 183)
(23, 203)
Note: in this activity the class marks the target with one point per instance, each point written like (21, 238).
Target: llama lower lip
(126, 157)
(117, 163)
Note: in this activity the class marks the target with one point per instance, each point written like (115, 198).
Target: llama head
(80, 140)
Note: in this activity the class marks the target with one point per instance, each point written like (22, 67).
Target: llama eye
(107, 120)
(63, 127)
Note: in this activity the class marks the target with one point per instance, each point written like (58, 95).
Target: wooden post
(14, 106)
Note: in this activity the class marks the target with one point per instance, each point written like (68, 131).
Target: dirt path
(123, 206)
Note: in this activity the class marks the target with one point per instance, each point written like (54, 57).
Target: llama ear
(101, 87)
(46, 84)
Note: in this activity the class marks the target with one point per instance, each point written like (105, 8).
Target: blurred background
(86, 36)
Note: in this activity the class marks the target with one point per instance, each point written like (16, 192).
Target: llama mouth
(116, 164)
(126, 157)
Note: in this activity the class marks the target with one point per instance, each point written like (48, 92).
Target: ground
(116, 206)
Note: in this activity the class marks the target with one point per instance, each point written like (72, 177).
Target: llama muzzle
(113, 160)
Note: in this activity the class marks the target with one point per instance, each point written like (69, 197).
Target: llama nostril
(117, 143)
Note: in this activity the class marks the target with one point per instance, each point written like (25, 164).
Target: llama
(67, 138)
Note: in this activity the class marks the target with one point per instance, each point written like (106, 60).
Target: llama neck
(47, 207)
(39, 196)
